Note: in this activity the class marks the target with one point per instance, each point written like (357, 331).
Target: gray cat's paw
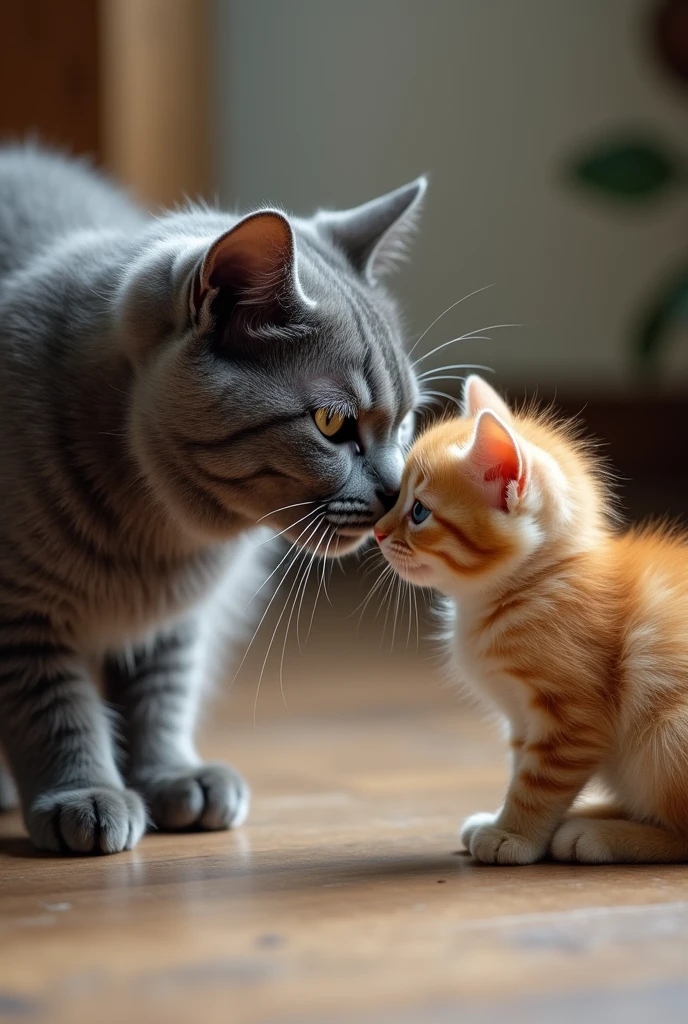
(209, 797)
(97, 820)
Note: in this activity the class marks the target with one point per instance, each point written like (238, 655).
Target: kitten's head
(483, 494)
(269, 369)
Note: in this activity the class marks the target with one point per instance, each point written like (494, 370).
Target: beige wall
(332, 101)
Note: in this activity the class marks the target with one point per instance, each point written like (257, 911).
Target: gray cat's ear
(374, 236)
(253, 264)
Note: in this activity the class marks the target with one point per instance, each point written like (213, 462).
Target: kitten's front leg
(57, 740)
(158, 689)
(550, 770)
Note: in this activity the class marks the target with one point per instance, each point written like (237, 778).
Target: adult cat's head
(269, 368)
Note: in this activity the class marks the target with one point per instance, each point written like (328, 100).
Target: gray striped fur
(150, 418)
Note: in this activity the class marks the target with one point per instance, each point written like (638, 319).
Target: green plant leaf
(668, 308)
(628, 170)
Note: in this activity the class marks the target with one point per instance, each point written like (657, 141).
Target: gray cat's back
(44, 196)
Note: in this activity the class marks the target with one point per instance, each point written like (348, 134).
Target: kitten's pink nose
(379, 535)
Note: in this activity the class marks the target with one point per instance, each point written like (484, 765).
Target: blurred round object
(670, 25)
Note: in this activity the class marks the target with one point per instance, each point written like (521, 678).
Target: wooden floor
(345, 897)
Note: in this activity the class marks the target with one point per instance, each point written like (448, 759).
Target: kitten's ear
(252, 264)
(497, 462)
(479, 395)
(374, 236)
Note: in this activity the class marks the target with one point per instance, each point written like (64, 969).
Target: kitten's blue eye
(419, 513)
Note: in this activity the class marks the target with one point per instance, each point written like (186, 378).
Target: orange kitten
(575, 632)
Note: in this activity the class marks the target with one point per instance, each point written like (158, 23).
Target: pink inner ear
(256, 253)
(496, 459)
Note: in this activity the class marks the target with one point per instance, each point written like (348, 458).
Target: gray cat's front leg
(157, 689)
(56, 736)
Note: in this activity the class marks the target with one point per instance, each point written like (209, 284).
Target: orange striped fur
(575, 632)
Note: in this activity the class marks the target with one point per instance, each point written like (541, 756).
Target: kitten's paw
(97, 820)
(473, 823)
(583, 840)
(490, 844)
(208, 797)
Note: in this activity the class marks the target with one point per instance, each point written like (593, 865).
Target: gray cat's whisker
(300, 558)
(304, 580)
(475, 335)
(452, 341)
(300, 575)
(320, 584)
(455, 366)
(448, 310)
(295, 551)
(289, 549)
(444, 394)
(302, 588)
(286, 529)
(283, 508)
(314, 555)
(331, 569)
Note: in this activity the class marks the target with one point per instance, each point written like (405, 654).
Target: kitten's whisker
(410, 614)
(475, 335)
(415, 606)
(396, 611)
(448, 310)
(383, 577)
(387, 603)
(384, 572)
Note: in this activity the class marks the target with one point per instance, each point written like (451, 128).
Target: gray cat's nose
(388, 499)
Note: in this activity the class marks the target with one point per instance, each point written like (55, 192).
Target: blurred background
(554, 134)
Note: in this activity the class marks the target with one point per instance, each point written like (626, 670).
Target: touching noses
(387, 498)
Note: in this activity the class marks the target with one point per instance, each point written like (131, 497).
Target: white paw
(473, 823)
(582, 840)
(490, 844)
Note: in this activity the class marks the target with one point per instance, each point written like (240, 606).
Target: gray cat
(165, 384)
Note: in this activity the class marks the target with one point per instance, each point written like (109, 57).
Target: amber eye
(328, 421)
